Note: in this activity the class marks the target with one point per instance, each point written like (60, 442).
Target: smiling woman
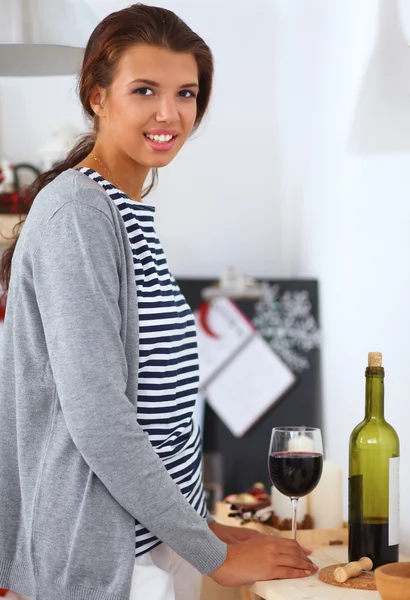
(144, 72)
(101, 494)
(145, 115)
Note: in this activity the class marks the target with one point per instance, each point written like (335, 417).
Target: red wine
(372, 539)
(295, 474)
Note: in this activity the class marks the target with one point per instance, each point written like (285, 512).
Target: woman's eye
(188, 94)
(144, 91)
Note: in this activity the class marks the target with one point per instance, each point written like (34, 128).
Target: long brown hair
(110, 39)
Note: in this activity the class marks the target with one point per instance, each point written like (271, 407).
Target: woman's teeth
(159, 138)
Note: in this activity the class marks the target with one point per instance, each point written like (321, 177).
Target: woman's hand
(262, 558)
(232, 535)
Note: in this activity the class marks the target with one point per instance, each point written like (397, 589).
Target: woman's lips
(161, 146)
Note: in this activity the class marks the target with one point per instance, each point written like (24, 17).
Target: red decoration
(203, 319)
(3, 301)
(15, 203)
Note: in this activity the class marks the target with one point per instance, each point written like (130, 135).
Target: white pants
(163, 575)
(158, 575)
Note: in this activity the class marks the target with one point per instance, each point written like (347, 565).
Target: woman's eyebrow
(155, 84)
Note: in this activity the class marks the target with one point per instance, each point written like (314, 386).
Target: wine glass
(295, 463)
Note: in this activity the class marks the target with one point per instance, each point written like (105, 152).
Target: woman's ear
(97, 101)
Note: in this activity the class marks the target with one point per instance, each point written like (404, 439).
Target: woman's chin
(158, 162)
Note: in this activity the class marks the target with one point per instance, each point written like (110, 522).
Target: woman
(100, 460)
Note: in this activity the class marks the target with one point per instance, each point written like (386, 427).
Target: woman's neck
(121, 171)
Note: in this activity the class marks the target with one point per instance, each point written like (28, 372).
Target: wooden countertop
(311, 588)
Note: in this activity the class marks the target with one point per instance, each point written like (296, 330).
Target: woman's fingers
(292, 548)
(296, 562)
(263, 558)
(289, 543)
(289, 573)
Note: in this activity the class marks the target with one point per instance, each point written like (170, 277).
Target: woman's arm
(76, 277)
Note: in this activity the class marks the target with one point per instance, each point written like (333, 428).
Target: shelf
(7, 222)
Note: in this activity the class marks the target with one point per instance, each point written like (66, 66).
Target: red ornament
(3, 301)
(203, 319)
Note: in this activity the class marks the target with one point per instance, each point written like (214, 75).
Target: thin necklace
(95, 157)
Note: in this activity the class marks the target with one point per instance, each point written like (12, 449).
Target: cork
(375, 359)
(353, 569)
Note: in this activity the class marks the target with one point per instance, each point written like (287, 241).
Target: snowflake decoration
(287, 324)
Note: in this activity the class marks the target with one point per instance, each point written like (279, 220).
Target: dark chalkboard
(244, 460)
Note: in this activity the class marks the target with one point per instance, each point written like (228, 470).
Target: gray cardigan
(76, 469)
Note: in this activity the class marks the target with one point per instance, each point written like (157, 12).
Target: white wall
(225, 174)
(289, 177)
(343, 77)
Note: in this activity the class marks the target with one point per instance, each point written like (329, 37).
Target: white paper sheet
(240, 374)
(252, 383)
(232, 329)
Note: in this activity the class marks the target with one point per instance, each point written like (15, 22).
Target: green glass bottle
(374, 477)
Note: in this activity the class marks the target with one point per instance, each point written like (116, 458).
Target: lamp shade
(43, 37)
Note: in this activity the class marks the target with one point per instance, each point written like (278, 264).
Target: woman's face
(153, 94)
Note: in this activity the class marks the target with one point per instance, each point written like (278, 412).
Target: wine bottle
(374, 477)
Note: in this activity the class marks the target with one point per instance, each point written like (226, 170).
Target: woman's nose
(168, 112)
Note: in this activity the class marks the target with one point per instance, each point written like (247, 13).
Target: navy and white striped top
(168, 372)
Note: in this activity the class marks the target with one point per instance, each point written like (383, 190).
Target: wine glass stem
(294, 516)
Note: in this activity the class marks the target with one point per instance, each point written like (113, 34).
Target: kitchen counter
(306, 588)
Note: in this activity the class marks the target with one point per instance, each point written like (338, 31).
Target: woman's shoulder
(72, 186)
(70, 197)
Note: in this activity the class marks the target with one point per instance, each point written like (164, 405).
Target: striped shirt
(168, 372)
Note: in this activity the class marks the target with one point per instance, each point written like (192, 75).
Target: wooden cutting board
(309, 538)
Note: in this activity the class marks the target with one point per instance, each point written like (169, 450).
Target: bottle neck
(375, 393)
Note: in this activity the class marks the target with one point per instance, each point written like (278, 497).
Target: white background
(302, 169)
